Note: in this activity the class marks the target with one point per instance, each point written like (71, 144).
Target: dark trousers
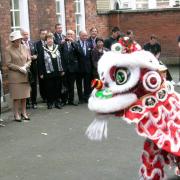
(71, 77)
(42, 88)
(79, 78)
(68, 81)
(52, 89)
(34, 92)
(34, 72)
(33, 84)
(86, 78)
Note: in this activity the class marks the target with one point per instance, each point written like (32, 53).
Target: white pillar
(62, 6)
(24, 14)
(83, 23)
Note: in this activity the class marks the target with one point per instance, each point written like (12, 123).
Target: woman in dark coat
(97, 52)
(50, 69)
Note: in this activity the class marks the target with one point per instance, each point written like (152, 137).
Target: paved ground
(52, 146)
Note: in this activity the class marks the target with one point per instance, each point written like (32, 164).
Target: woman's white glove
(23, 69)
(27, 65)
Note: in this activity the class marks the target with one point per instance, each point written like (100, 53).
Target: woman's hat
(15, 35)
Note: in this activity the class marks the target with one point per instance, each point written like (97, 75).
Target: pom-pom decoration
(96, 83)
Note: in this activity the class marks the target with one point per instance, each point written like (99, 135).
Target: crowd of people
(58, 62)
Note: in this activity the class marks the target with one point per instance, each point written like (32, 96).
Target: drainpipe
(1, 89)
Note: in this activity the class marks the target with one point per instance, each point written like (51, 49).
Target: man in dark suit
(39, 48)
(85, 63)
(113, 38)
(30, 45)
(70, 58)
(93, 36)
(59, 38)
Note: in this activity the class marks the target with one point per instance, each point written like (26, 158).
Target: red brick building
(143, 17)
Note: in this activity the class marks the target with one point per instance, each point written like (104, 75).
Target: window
(79, 15)
(149, 4)
(141, 4)
(125, 4)
(119, 4)
(162, 3)
(60, 13)
(19, 15)
(15, 15)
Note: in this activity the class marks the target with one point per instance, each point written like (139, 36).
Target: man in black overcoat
(85, 63)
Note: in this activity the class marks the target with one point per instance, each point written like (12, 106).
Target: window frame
(23, 15)
(150, 4)
(61, 14)
(80, 23)
(13, 21)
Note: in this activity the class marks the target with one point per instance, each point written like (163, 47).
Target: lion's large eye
(121, 76)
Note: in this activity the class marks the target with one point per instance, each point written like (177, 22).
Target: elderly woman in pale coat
(18, 61)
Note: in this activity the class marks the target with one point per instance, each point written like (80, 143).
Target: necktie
(68, 45)
(28, 48)
(84, 47)
(94, 43)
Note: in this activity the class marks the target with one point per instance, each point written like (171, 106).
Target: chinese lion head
(133, 86)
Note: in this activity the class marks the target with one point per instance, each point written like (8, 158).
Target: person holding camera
(18, 61)
(70, 57)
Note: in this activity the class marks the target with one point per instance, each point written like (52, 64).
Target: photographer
(71, 67)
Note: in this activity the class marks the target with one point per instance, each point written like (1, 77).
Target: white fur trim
(113, 104)
(97, 130)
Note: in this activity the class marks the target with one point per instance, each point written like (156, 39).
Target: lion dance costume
(133, 87)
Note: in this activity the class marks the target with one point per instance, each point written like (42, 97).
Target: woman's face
(17, 43)
(100, 44)
(50, 41)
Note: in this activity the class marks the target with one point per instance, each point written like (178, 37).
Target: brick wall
(93, 19)
(4, 35)
(165, 24)
(42, 14)
(70, 15)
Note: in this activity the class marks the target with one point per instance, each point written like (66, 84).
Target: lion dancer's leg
(152, 162)
(177, 169)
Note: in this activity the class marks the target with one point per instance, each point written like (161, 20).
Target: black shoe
(85, 100)
(25, 118)
(72, 103)
(17, 119)
(49, 106)
(81, 102)
(63, 103)
(58, 106)
(34, 106)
